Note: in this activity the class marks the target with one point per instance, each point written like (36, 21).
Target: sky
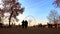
(38, 10)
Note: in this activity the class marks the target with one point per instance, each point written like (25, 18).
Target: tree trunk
(0, 19)
(10, 18)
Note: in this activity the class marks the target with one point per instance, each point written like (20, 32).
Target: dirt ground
(30, 30)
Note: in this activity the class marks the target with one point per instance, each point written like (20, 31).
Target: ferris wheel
(31, 20)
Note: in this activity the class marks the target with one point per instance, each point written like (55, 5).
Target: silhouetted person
(55, 25)
(1, 25)
(40, 25)
(26, 23)
(23, 23)
(49, 25)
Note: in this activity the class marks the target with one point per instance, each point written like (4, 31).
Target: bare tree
(13, 7)
(59, 19)
(53, 16)
(57, 3)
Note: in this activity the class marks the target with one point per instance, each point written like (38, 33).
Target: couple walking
(24, 24)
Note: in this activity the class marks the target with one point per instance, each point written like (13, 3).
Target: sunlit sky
(39, 9)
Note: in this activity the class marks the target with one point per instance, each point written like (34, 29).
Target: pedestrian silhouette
(1, 25)
(24, 24)
(49, 25)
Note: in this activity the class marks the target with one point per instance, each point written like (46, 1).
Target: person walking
(23, 24)
(26, 23)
